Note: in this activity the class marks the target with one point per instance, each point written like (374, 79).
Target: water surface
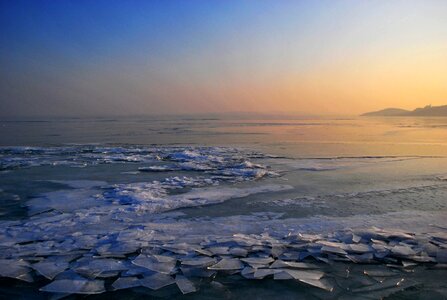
(87, 202)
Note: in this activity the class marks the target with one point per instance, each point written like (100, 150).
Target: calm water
(85, 202)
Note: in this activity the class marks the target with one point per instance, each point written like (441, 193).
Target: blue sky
(128, 57)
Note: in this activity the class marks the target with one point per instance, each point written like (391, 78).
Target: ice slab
(126, 283)
(262, 273)
(202, 261)
(157, 281)
(94, 267)
(291, 264)
(75, 286)
(319, 283)
(304, 274)
(240, 252)
(403, 250)
(159, 264)
(18, 269)
(186, 286)
(257, 260)
(359, 248)
(50, 268)
(227, 264)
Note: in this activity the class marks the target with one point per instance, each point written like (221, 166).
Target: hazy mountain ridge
(429, 111)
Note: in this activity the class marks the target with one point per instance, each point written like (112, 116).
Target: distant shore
(427, 111)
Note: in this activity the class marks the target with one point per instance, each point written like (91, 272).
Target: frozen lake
(342, 208)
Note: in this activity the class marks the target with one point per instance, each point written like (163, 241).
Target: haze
(81, 58)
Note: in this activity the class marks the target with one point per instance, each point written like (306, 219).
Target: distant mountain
(428, 111)
(440, 111)
(387, 112)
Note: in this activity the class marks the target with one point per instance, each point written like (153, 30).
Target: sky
(93, 57)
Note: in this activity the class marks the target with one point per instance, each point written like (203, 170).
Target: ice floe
(75, 286)
(185, 285)
(90, 237)
(157, 263)
(156, 251)
(157, 281)
(219, 161)
(50, 267)
(126, 283)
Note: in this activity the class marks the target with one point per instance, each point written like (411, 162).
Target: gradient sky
(155, 57)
